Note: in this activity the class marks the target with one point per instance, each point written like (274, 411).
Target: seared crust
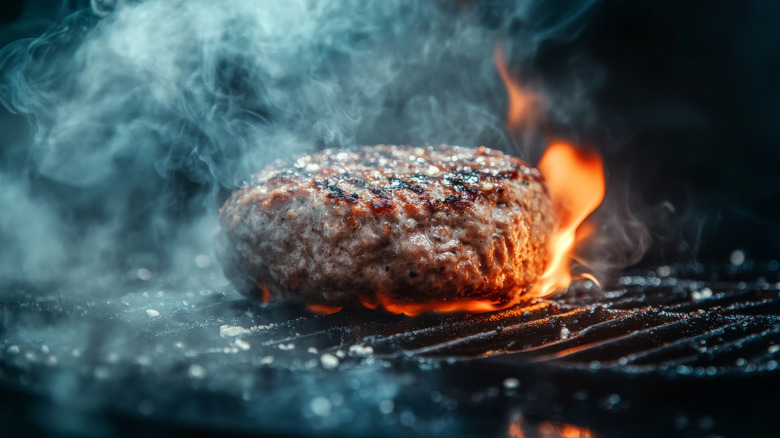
(408, 224)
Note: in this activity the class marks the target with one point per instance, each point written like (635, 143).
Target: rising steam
(143, 114)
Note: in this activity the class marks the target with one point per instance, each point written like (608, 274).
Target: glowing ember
(323, 309)
(518, 429)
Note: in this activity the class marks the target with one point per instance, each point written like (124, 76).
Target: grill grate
(657, 328)
(695, 356)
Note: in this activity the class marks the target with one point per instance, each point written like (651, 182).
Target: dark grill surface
(674, 352)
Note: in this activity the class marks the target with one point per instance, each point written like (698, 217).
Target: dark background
(688, 114)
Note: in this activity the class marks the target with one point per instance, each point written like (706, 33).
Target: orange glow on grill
(518, 429)
(323, 309)
(467, 305)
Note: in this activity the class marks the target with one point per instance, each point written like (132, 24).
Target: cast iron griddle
(675, 351)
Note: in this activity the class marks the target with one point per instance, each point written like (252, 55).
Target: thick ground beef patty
(408, 224)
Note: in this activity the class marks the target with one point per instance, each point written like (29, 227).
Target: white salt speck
(340, 354)
(143, 360)
(143, 274)
(197, 372)
(52, 360)
(152, 313)
(321, 406)
(312, 350)
(511, 383)
(287, 347)
(45, 349)
(13, 349)
(202, 261)
(684, 370)
(329, 361)
(232, 330)
(76, 352)
(741, 361)
(737, 257)
(702, 294)
(773, 348)
(386, 406)
(565, 333)
(432, 170)
(242, 344)
(179, 345)
(361, 350)
(267, 360)
(664, 271)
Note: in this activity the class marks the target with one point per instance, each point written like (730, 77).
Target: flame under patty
(407, 224)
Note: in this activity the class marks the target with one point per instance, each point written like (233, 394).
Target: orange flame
(523, 104)
(575, 180)
(576, 183)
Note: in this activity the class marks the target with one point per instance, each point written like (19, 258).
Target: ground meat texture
(410, 224)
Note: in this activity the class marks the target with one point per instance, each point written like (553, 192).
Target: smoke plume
(142, 115)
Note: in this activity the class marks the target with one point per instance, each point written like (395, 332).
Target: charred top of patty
(386, 178)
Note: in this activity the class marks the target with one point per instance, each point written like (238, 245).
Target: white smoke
(143, 114)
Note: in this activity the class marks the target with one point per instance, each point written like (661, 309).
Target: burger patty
(411, 225)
